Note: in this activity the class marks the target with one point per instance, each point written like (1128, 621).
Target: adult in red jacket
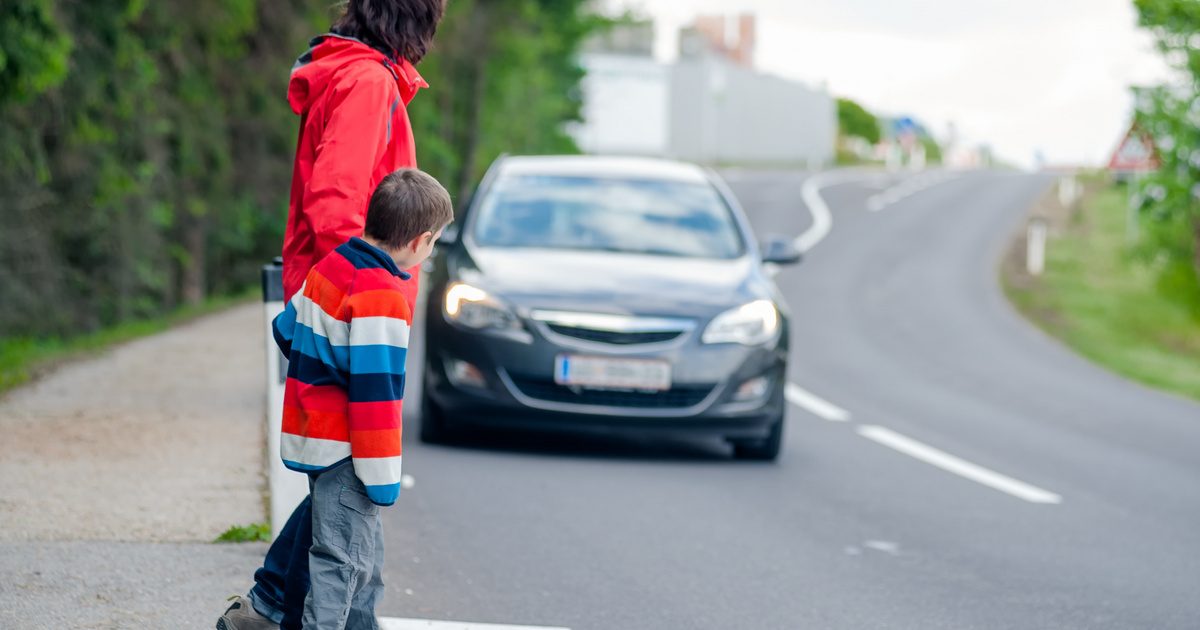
(350, 90)
(354, 131)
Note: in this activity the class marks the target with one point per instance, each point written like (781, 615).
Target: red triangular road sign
(1135, 154)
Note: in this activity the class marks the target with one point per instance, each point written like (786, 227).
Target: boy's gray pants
(345, 562)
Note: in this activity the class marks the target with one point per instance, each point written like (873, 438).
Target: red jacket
(354, 131)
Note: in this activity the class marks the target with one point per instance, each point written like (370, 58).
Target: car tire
(764, 450)
(433, 421)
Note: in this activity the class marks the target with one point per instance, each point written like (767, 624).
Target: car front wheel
(433, 420)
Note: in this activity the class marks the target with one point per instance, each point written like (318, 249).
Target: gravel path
(118, 471)
(160, 439)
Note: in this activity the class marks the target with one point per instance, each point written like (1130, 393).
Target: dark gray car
(606, 293)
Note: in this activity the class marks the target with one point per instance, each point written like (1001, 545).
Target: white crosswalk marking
(394, 623)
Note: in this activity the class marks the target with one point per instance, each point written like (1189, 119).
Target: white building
(722, 112)
(710, 106)
(625, 103)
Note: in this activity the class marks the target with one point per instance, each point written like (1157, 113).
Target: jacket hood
(328, 54)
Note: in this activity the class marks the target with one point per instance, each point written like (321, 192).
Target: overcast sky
(1020, 75)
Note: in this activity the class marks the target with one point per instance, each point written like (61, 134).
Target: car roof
(603, 166)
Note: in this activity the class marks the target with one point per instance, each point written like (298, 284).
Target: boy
(346, 337)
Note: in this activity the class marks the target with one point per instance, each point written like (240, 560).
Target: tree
(504, 78)
(146, 146)
(33, 50)
(1171, 115)
(933, 150)
(856, 122)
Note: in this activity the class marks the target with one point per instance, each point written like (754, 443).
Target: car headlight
(475, 308)
(749, 324)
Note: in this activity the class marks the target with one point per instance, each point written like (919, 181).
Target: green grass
(23, 358)
(1112, 308)
(256, 532)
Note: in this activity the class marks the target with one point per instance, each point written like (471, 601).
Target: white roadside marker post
(1068, 191)
(1035, 246)
(285, 487)
(1136, 199)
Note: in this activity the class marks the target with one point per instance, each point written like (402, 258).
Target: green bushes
(146, 147)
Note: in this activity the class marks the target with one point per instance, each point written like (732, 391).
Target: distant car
(611, 293)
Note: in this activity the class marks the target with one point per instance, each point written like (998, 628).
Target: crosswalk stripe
(395, 623)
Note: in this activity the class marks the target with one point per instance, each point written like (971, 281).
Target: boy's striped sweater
(345, 334)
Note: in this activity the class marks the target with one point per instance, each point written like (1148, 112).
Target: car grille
(614, 337)
(675, 398)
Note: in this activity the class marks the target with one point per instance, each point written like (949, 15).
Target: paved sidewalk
(117, 585)
(118, 471)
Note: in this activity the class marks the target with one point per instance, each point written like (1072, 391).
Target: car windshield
(640, 216)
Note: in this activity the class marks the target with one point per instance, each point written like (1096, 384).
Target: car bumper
(520, 388)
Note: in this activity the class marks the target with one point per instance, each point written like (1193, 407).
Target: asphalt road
(1065, 497)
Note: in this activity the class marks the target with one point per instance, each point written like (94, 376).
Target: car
(606, 293)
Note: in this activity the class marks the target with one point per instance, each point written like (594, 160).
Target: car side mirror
(780, 251)
(449, 235)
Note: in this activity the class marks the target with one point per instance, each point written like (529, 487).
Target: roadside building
(710, 106)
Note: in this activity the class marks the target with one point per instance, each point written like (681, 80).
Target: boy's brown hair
(405, 205)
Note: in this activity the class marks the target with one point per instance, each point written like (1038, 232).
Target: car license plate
(608, 373)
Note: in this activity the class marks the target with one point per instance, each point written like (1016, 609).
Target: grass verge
(255, 532)
(1110, 307)
(23, 358)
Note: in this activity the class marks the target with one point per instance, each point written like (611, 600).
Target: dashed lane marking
(814, 404)
(909, 186)
(958, 466)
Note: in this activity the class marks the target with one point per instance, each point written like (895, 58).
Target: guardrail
(286, 488)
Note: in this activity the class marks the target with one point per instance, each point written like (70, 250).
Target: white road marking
(395, 623)
(886, 546)
(407, 481)
(958, 466)
(814, 404)
(910, 186)
(822, 219)
(878, 183)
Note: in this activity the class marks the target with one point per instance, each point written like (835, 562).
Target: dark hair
(403, 28)
(407, 204)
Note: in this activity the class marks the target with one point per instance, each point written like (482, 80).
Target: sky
(1024, 76)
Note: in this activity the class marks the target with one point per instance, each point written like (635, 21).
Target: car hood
(610, 282)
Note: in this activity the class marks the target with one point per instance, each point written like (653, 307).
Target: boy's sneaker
(242, 616)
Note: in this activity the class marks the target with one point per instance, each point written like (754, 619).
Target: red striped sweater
(345, 334)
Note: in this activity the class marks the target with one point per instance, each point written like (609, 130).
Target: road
(947, 466)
